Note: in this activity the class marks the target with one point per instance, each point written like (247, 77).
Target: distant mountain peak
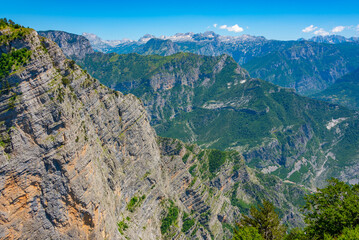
(73, 45)
(333, 39)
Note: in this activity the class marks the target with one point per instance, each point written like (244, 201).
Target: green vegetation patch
(188, 223)
(185, 157)
(122, 226)
(170, 218)
(192, 169)
(135, 202)
(12, 62)
(16, 31)
(215, 160)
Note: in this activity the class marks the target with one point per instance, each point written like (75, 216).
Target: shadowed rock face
(74, 153)
(72, 45)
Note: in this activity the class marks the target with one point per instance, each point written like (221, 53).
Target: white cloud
(358, 27)
(321, 32)
(338, 29)
(234, 28)
(310, 28)
(215, 25)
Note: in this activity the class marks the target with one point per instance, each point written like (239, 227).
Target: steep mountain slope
(72, 45)
(307, 66)
(72, 151)
(80, 161)
(214, 102)
(214, 187)
(345, 91)
(159, 47)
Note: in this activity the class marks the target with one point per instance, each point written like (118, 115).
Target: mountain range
(79, 160)
(271, 129)
(345, 91)
(307, 66)
(176, 145)
(214, 102)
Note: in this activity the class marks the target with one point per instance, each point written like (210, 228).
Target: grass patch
(122, 226)
(135, 202)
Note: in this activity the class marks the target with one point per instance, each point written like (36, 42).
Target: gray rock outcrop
(75, 153)
(72, 45)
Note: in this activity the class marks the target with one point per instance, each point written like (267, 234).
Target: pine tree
(266, 220)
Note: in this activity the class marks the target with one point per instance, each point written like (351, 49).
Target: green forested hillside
(307, 67)
(213, 102)
(345, 91)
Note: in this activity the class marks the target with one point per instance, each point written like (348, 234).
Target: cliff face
(81, 161)
(72, 45)
(73, 152)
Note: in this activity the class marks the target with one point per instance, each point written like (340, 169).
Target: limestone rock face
(72, 45)
(73, 153)
(81, 161)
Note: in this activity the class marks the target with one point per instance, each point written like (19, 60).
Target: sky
(112, 20)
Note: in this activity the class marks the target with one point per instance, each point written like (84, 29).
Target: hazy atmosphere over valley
(179, 120)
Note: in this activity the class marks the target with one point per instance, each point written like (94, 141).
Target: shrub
(187, 224)
(13, 60)
(170, 218)
(246, 233)
(122, 226)
(215, 160)
(185, 157)
(332, 209)
(135, 202)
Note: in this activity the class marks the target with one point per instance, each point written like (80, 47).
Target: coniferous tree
(266, 220)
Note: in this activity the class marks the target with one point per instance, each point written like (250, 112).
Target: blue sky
(273, 19)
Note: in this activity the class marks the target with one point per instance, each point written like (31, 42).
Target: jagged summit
(334, 39)
(209, 36)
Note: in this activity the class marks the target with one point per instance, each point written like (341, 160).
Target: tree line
(331, 213)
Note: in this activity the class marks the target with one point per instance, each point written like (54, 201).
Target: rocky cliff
(72, 45)
(81, 161)
(73, 152)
